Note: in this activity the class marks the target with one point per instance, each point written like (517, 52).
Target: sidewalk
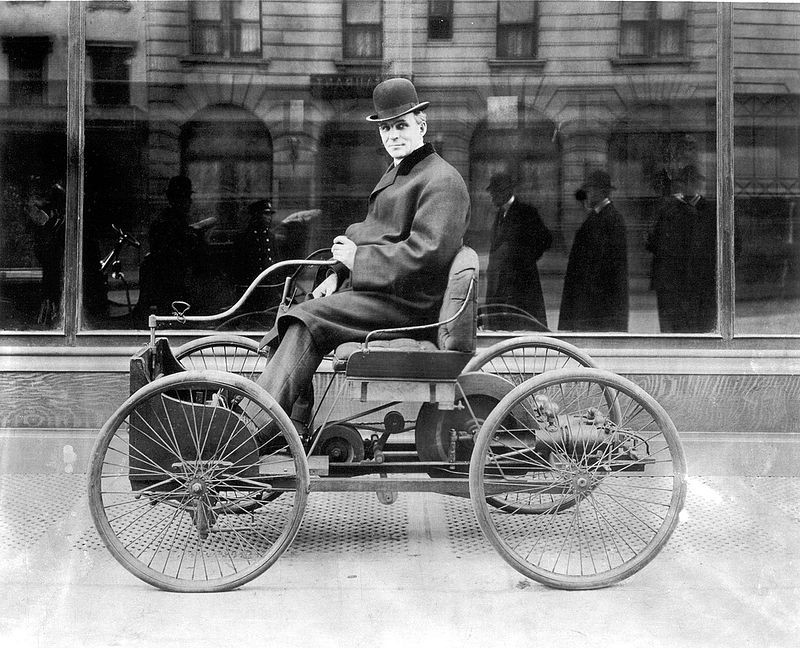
(417, 573)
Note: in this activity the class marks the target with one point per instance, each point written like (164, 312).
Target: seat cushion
(461, 333)
(343, 352)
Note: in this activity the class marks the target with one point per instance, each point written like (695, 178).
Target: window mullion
(226, 28)
(726, 289)
(73, 249)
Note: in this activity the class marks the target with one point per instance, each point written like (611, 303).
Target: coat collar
(405, 166)
(413, 158)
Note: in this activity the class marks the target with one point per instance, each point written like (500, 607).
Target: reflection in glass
(32, 164)
(767, 171)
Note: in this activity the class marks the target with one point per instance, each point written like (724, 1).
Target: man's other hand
(327, 287)
(344, 251)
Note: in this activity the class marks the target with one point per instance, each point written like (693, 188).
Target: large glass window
(593, 178)
(767, 169)
(32, 165)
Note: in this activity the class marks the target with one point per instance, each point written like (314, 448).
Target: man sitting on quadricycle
(391, 268)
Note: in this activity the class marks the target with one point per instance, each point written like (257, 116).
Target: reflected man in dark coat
(392, 267)
(519, 238)
(683, 243)
(595, 296)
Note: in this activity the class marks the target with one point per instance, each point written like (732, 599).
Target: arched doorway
(226, 151)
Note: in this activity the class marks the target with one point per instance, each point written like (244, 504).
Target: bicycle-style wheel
(598, 441)
(183, 487)
(224, 352)
(516, 360)
(520, 358)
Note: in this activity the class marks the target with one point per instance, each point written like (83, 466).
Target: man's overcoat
(417, 217)
(683, 243)
(519, 238)
(595, 296)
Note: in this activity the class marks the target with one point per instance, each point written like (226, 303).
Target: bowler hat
(179, 185)
(394, 98)
(500, 180)
(689, 173)
(598, 179)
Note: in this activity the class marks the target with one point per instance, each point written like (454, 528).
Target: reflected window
(363, 29)
(27, 71)
(440, 19)
(767, 166)
(228, 28)
(110, 74)
(516, 29)
(652, 29)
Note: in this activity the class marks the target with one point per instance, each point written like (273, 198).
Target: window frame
(226, 25)
(125, 52)
(651, 29)
(39, 47)
(504, 27)
(446, 18)
(376, 28)
(724, 343)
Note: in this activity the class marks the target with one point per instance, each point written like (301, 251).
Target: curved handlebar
(180, 317)
(124, 237)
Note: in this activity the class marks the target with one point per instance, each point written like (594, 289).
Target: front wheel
(596, 441)
(182, 490)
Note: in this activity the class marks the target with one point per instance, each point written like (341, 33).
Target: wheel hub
(582, 482)
(197, 488)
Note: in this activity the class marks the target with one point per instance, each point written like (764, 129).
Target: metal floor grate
(352, 522)
(723, 515)
(722, 519)
(33, 503)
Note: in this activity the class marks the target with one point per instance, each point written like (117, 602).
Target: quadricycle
(199, 480)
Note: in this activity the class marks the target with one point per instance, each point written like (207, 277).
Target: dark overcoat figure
(595, 296)
(683, 244)
(519, 238)
(670, 244)
(417, 217)
(703, 266)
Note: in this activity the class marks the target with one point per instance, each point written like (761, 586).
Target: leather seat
(420, 359)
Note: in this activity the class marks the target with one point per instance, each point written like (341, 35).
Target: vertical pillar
(726, 287)
(73, 249)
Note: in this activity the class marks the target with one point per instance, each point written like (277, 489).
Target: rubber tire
(198, 380)
(677, 494)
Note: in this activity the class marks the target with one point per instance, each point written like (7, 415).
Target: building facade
(103, 102)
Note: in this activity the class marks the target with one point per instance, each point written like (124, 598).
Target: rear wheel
(593, 439)
(520, 358)
(516, 360)
(181, 493)
(224, 352)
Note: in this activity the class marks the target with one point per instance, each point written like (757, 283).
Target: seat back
(462, 284)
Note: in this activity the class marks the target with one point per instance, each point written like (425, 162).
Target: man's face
(594, 195)
(501, 194)
(401, 136)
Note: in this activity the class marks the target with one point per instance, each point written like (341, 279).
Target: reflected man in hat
(683, 244)
(392, 267)
(519, 238)
(595, 296)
